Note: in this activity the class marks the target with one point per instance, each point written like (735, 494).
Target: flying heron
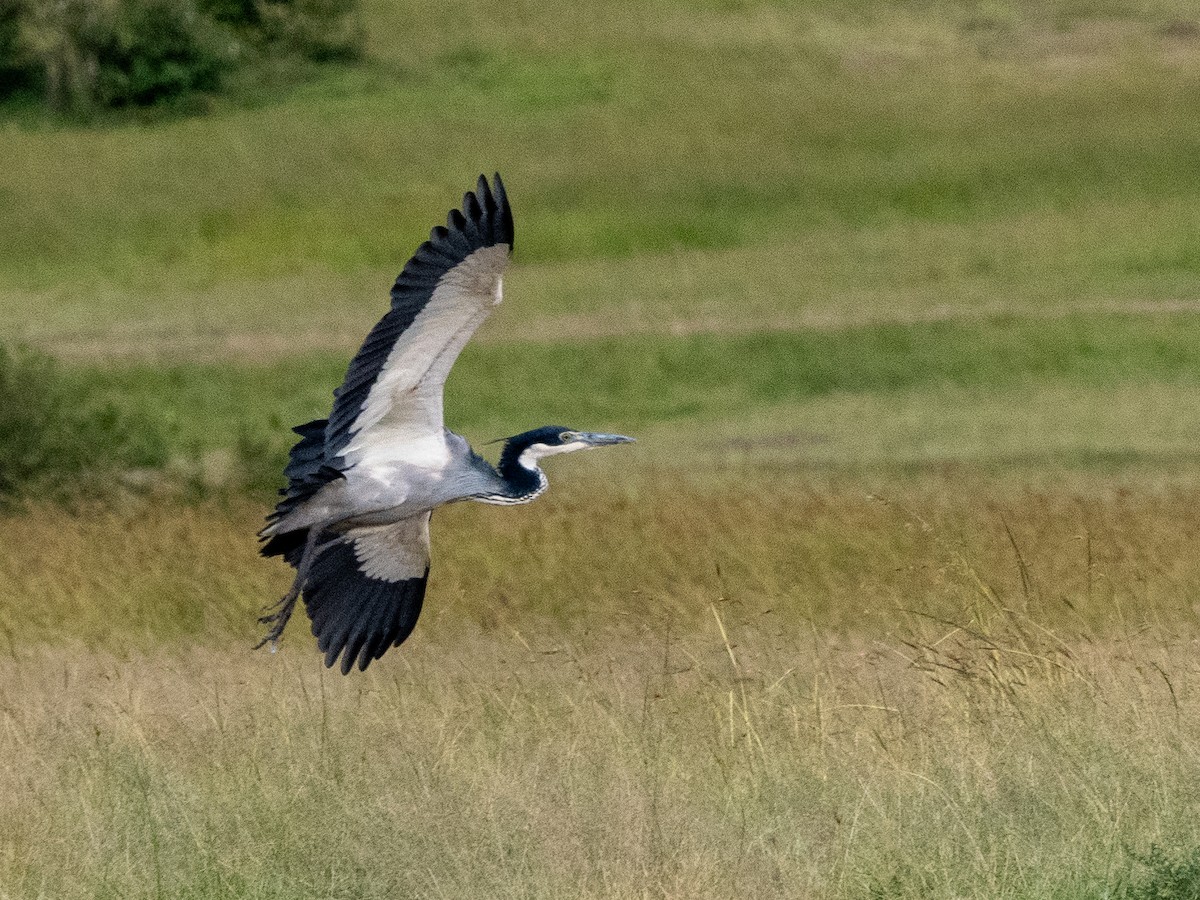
(362, 484)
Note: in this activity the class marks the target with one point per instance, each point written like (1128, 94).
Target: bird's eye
(566, 437)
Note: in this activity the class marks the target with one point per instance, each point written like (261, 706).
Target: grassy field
(961, 690)
(897, 595)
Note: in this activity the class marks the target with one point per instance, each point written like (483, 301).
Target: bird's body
(362, 484)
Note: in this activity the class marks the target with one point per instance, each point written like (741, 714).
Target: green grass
(798, 129)
(986, 393)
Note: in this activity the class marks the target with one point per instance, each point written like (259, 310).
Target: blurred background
(900, 300)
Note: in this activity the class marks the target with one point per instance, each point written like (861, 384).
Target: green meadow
(896, 596)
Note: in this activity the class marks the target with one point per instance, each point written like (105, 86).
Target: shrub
(236, 13)
(14, 66)
(59, 440)
(61, 38)
(319, 30)
(159, 50)
(86, 54)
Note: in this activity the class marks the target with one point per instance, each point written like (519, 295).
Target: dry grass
(941, 763)
(1078, 552)
(967, 689)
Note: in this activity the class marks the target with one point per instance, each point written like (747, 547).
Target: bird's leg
(279, 614)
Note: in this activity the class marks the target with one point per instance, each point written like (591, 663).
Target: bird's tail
(289, 544)
(307, 472)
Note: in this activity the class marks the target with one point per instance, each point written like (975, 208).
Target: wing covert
(391, 398)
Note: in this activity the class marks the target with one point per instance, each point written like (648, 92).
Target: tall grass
(705, 684)
(1081, 554)
(969, 690)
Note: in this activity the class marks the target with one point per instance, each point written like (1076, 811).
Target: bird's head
(527, 448)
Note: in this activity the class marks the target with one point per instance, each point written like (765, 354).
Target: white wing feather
(402, 417)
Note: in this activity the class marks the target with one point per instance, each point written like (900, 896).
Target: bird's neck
(522, 477)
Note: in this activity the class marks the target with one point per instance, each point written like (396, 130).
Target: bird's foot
(277, 614)
(277, 620)
(273, 607)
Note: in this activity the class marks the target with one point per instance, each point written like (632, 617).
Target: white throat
(530, 455)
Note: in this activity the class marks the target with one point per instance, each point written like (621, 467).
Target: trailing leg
(279, 613)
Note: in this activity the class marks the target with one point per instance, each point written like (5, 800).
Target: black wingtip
(486, 207)
(472, 208)
(504, 219)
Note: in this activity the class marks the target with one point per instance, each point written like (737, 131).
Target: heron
(362, 484)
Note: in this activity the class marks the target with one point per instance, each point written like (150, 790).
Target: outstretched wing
(364, 593)
(390, 405)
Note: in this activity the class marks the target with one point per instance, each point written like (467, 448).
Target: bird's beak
(593, 439)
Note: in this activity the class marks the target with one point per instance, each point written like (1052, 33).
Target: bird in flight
(362, 484)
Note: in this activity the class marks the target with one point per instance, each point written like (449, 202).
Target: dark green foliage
(237, 13)
(319, 30)
(159, 50)
(14, 73)
(89, 54)
(1165, 876)
(60, 438)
